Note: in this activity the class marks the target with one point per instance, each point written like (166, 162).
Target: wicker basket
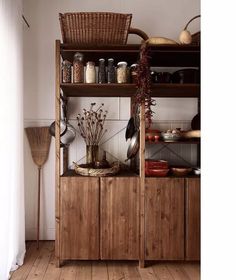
(84, 170)
(94, 29)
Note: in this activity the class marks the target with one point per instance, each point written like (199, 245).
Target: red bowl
(157, 172)
(156, 164)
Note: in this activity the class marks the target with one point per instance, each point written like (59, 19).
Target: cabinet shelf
(72, 173)
(162, 55)
(129, 90)
(174, 142)
(172, 176)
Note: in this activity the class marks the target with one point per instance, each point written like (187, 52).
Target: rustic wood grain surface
(41, 264)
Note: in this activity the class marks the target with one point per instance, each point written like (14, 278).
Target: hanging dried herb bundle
(143, 83)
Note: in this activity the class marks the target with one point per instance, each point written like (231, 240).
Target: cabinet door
(79, 221)
(164, 219)
(192, 248)
(119, 218)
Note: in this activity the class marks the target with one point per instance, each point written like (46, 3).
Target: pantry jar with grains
(66, 71)
(90, 73)
(78, 68)
(122, 72)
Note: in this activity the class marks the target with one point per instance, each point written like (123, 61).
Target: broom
(39, 141)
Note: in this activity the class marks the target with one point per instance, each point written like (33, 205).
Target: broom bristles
(39, 140)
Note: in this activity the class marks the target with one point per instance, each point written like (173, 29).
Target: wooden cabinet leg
(142, 264)
(59, 263)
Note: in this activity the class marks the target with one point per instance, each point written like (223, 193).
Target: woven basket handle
(138, 32)
(186, 26)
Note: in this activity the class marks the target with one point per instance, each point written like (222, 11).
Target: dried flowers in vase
(91, 127)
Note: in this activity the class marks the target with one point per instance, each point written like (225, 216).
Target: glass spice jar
(133, 73)
(78, 68)
(122, 72)
(111, 71)
(66, 71)
(101, 71)
(90, 73)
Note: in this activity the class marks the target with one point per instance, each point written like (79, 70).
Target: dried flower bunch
(91, 124)
(143, 84)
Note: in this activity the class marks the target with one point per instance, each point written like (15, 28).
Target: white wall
(157, 18)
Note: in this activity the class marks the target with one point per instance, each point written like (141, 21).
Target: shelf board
(174, 142)
(162, 55)
(72, 173)
(129, 90)
(176, 90)
(173, 176)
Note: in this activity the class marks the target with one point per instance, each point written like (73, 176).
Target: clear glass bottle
(78, 68)
(122, 72)
(66, 71)
(111, 71)
(101, 71)
(90, 73)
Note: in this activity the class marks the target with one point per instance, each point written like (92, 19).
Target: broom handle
(38, 221)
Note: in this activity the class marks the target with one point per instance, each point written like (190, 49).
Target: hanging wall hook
(25, 21)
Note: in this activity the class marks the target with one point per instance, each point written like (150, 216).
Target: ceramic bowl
(181, 171)
(157, 172)
(197, 171)
(156, 164)
(170, 137)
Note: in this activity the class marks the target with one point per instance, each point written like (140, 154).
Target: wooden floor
(40, 264)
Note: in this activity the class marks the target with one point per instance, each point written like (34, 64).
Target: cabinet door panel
(119, 218)
(79, 222)
(192, 248)
(164, 219)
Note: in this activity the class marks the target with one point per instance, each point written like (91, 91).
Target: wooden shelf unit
(75, 194)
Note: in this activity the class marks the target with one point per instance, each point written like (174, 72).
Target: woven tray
(84, 170)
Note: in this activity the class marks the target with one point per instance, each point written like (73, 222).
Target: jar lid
(66, 62)
(110, 59)
(134, 65)
(90, 62)
(123, 63)
(78, 55)
(101, 59)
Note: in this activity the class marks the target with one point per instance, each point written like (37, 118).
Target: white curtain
(12, 216)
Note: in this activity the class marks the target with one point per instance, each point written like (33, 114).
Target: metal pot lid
(133, 146)
(130, 129)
